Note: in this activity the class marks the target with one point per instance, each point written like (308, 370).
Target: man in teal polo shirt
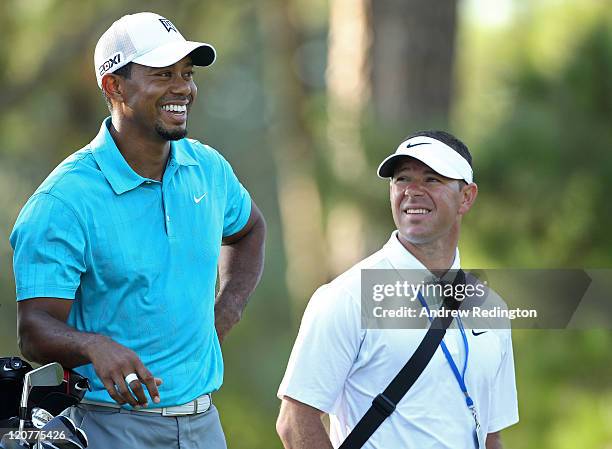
(116, 253)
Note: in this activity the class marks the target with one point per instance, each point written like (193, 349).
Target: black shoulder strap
(384, 404)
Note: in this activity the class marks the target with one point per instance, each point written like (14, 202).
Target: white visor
(435, 154)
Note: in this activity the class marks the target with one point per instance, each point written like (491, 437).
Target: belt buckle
(206, 397)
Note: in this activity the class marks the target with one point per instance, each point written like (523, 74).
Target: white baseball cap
(148, 39)
(437, 155)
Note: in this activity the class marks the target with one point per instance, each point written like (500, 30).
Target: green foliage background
(533, 101)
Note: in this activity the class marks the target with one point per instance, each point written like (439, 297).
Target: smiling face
(157, 101)
(426, 206)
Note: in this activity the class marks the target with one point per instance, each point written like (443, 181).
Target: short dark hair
(448, 139)
(123, 72)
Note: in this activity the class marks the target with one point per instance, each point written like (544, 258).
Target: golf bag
(12, 372)
(45, 399)
(53, 399)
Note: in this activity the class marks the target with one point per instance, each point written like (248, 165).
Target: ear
(113, 87)
(468, 196)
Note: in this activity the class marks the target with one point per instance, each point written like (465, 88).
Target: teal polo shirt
(137, 257)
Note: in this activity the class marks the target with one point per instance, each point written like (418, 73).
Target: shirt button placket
(167, 176)
(168, 221)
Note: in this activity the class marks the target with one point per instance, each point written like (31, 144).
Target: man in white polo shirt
(338, 368)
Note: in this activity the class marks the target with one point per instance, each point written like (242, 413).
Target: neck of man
(437, 255)
(146, 154)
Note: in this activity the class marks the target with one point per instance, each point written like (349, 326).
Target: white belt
(199, 405)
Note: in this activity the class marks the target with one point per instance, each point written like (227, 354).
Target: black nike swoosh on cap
(410, 145)
(476, 334)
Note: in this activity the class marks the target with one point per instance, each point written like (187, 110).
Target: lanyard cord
(460, 377)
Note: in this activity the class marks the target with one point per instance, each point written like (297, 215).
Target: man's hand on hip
(240, 266)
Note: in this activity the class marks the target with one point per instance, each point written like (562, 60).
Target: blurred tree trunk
(348, 91)
(294, 150)
(348, 84)
(412, 60)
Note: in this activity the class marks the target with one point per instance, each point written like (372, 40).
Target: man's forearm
(240, 268)
(306, 436)
(494, 441)
(300, 427)
(44, 339)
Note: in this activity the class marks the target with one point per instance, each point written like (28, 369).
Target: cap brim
(166, 55)
(387, 167)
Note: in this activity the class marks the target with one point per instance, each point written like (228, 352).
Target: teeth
(417, 211)
(175, 108)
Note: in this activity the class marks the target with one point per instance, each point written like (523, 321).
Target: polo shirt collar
(179, 154)
(402, 259)
(115, 168)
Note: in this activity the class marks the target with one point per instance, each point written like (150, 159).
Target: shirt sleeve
(326, 347)
(504, 407)
(49, 249)
(238, 202)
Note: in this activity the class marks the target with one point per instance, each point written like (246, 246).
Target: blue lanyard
(460, 377)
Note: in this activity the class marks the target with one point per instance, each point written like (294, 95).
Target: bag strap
(384, 404)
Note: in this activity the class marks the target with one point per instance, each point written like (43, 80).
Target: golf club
(61, 425)
(68, 436)
(40, 417)
(82, 437)
(49, 375)
(73, 437)
(45, 445)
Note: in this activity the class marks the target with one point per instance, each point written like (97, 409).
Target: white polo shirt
(338, 368)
